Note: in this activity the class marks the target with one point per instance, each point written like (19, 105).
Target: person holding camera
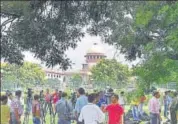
(108, 95)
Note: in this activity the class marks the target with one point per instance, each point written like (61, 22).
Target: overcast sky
(77, 55)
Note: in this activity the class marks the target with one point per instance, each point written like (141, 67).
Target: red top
(47, 97)
(114, 111)
(55, 98)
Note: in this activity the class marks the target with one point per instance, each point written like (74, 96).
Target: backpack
(69, 116)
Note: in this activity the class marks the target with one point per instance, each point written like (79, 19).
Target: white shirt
(121, 100)
(91, 114)
(9, 102)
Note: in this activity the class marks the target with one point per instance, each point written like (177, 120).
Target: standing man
(47, 100)
(10, 97)
(82, 100)
(174, 109)
(115, 111)
(16, 108)
(154, 108)
(122, 100)
(141, 103)
(165, 102)
(91, 113)
(63, 109)
(5, 110)
(55, 98)
(135, 112)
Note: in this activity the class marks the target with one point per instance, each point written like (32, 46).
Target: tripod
(42, 103)
(48, 107)
(27, 110)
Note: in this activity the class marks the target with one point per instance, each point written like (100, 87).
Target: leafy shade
(155, 29)
(49, 28)
(158, 69)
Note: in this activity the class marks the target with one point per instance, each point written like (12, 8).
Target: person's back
(5, 110)
(91, 113)
(63, 109)
(174, 109)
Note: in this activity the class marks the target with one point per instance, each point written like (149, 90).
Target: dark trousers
(154, 118)
(173, 117)
(80, 122)
(165, 110)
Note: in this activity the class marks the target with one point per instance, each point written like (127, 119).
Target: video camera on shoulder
(29, 93)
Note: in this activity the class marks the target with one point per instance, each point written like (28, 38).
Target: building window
(98, 57)
(57, 76)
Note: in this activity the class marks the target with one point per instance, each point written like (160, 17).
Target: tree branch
(10, 14)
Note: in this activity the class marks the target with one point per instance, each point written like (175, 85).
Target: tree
(149, 33)
(55, 83)
(151, 26)
(110, 72)
(75, 81)
(49, 28)
(28, 74)
(158, 69)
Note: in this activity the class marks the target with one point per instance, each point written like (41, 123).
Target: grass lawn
(126, 109)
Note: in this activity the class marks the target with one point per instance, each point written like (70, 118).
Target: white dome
(95, 49)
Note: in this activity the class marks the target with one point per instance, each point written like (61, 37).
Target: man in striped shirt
(154, 108)
(16, 108)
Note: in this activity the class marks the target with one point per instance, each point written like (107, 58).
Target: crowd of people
(84, 108)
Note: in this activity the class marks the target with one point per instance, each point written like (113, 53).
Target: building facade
(92, 57)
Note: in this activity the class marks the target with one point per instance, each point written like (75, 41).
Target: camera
(29, 93)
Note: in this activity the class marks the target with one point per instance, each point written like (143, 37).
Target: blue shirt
(63, 107)
(169, 100)
(101, 101)
(81, 102)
